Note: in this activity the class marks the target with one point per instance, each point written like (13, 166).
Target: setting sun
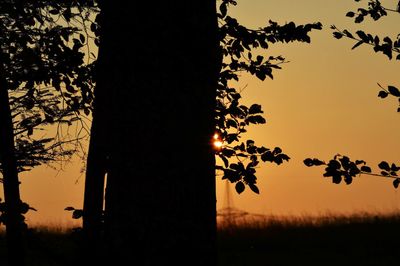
(217, 142)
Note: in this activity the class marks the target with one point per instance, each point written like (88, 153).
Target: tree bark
(162, 63)
(14, 219)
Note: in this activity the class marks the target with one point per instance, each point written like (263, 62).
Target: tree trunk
(96, 169)
(93, 195)
(162, 64)
(14, 219)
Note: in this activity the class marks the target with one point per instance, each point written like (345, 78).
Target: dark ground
(336, 241)
(361, 240)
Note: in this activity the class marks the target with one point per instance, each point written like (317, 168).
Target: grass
(359, 239)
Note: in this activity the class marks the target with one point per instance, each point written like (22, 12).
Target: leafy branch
(341, 168)
(242, 50)
(387, 46)
(375, 10)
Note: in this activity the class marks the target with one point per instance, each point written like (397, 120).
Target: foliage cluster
(49, 78)
(242, 49)
(43, 62)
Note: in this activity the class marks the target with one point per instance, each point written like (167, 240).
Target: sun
(217, 141)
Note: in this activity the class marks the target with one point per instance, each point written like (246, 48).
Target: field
(362, 239)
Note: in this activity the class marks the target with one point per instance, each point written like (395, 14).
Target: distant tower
(228, 212)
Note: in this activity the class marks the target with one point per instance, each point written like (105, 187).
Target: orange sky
(323, 102)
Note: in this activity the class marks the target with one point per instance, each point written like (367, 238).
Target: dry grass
(357, 239)
(267, 222)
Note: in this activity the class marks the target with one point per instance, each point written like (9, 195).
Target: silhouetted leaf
(317, 162)
(334, 164)
(359, 19)
(383, 94)
(24, 208)
(336, 179)
(254, 188)
(348, 180)
(394, 91)
(239, 187)
(357, 44)
(228, 152)
(308, 162)
(261, 75)
(394, 167)
(396, 182)
(362, 35)
(223, 9)
(76, 214)
(255, 119)
(384, 173)
(267, 156)
(225, 160)
(350, 14)
(366, 169)
(384, 166)
(255, 109)
(338, 35)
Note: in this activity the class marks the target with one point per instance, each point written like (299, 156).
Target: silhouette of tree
(41, 64)
(342, 167)
(45, 81)
(154, 119)
(160, 203)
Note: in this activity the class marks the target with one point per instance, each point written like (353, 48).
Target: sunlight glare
(217, 142)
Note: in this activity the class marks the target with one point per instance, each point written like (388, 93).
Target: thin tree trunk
(96, 170)
(94, 198)
(14, 219)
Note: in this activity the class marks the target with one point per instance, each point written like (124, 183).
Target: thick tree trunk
(162, 64)
(14, 220)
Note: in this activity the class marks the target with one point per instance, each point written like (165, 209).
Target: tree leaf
(338, 35)
(261, 75)
(396, 182)
(255, 109)
(383, 94)
(77, 214)
(394, 91)
(366, 169)
(384, 166)
(362, 35)
(357, 44)
(336, 179)
(223, 9)
(239, 187)
(254, 188)
(359, 19)
(308, 162)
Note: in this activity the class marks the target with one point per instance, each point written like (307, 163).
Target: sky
(323, 102)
